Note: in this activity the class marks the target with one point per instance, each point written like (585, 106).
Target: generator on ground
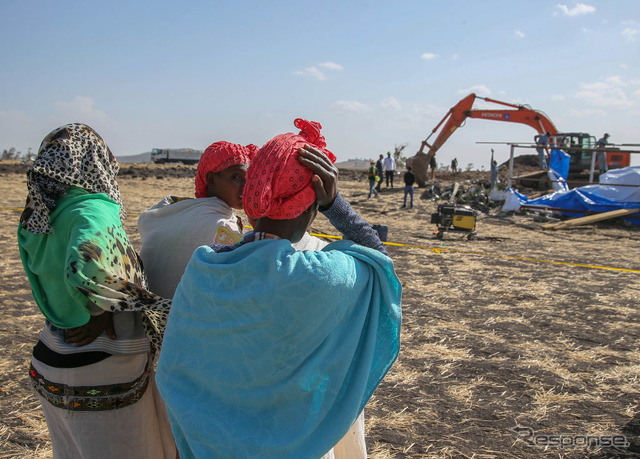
(457, 219)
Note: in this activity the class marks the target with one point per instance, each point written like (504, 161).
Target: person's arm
(352, 226)
(332, 204)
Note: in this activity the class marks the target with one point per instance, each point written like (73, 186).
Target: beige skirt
(105, 410)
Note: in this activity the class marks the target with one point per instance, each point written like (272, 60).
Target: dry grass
(490, 341)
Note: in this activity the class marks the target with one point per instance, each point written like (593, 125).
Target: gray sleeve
(352, 226)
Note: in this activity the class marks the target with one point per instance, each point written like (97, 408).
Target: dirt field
(514, 340)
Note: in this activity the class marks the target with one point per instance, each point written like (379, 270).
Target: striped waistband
(91, 398)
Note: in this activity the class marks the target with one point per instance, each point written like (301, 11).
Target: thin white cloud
(630, 34)
(428, 56)
(81, 108)
(587, 113)
(479, 89)
(330, 66)
(315, 72)
(580, 8)
(311, 72)
(519, 34)
(607, 93)
(417, 115)
(454, 57)
(615, 80)
(391, 103)
(624, 66)
(558, 97)
(351, 106)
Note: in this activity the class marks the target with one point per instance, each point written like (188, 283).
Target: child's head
(222, 170)
(409, 168)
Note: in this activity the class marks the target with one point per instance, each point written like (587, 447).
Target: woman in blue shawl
(270, 352)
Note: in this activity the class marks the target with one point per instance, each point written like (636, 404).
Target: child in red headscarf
(174, 227)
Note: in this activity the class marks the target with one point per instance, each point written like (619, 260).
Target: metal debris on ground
(472, 193)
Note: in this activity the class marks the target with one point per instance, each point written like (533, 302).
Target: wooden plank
(530, 174)
(590, 219)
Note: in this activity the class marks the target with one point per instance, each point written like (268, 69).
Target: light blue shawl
(271, 352)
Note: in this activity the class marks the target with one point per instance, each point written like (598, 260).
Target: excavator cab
(573, 143)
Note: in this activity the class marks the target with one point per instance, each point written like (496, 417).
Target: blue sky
(375, 74)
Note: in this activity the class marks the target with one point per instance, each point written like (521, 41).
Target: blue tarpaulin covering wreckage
(608, 195)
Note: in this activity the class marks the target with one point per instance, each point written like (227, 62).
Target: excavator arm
(459, 113)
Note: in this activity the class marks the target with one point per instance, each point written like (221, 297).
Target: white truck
(175, 155)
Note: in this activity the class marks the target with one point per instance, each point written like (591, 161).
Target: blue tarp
(595, 198)
(559, 162)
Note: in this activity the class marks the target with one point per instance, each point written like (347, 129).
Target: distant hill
(142, 158)
(357, 164)
(145, 158)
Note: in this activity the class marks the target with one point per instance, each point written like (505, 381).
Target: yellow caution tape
(482, 254)
(466, 252)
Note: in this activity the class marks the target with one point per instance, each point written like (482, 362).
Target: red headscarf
(278, 186)
(219, 156)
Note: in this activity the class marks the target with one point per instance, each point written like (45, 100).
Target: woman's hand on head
(325, 178)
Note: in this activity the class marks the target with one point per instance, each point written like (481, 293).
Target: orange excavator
(522, 114)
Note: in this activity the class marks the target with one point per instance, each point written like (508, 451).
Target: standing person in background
(433, 164)
(92, 367)
(602, 155)
(175, 227)
(380, 168)
(494, 172)
(542, 140)
(374, 179)
(409, 180)
(389, 168)
(272, 352)
(454, 165)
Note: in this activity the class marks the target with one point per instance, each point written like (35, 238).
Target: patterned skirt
(107, 409)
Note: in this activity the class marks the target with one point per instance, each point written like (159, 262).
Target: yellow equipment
(456, 219)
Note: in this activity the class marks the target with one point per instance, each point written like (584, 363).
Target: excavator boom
(459, 113)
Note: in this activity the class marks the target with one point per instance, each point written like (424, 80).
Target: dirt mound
(11, 166)
(158, 170)
(522, 164)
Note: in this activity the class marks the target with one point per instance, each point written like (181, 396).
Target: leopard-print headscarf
(73, 154)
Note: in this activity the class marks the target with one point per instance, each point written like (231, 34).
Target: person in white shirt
(389, 169)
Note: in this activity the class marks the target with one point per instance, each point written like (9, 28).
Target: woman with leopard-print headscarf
(92, 367)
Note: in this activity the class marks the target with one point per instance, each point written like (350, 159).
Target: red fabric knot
(287, 190)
